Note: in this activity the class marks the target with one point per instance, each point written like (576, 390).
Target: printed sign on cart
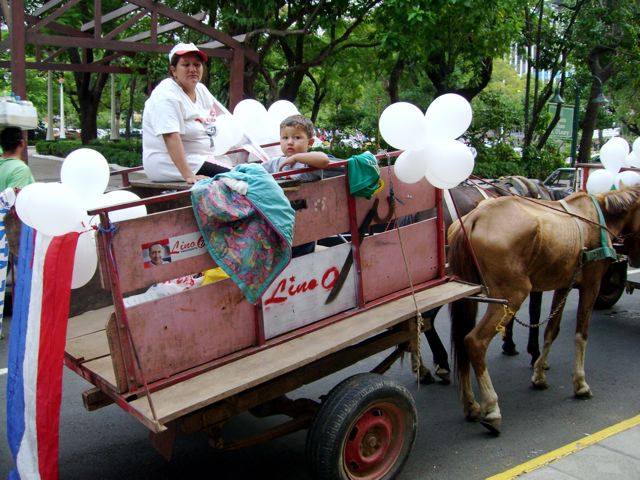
(172, 249)
(297, 296)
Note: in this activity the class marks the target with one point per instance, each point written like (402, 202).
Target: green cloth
(364, 175)
(14, 173)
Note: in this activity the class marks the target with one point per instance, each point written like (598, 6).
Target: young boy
(296, 136)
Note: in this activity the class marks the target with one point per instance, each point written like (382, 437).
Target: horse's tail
(462, 312)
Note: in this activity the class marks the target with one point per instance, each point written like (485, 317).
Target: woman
(178, 122)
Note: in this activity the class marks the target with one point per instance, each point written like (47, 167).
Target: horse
(460, 201)
(522, 247)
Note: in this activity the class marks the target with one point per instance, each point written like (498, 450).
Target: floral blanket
(250, 236)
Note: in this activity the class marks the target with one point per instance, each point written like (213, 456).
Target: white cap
(182, 48)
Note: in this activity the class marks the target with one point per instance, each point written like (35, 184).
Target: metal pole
(574, 133)
(62, 127)
(49, 105)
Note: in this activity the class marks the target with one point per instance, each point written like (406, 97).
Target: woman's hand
(194, 178)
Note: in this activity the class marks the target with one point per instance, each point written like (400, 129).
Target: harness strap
(606, 250)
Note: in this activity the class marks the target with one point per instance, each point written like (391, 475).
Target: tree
(607, 35)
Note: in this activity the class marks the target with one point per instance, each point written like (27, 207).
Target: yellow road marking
(547, 458)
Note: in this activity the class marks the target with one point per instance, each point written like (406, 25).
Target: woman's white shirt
(168, 110)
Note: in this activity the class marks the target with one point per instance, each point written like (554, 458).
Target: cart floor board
(214, 385)
(88, 322)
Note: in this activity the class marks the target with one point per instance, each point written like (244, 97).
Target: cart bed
(87, 345)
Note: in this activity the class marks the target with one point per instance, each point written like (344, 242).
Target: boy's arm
(312, 159)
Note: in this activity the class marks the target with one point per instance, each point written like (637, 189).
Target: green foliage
(497, 161)
(127, 153)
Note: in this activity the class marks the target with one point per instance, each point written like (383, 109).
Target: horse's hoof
(539, 384)
(583, 393)
(509, 349)
(444, 375)
(425, 377)
(472, 412)
(494, 425)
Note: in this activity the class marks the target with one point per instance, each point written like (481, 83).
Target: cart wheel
(612, 287)
(364, 430)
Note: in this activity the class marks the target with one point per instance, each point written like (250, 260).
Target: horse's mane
(618, 202)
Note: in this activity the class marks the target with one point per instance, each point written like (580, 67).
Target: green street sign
(564, 127)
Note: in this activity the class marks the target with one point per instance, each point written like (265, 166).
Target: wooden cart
(193, 360)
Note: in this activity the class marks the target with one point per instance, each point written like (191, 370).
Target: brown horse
(460, 201)
(522, 247)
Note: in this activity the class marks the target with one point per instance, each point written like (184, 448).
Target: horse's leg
(508, 346)
(588, 294)
(476, 343)
(440, 355)
(535, 306)
(551, 332)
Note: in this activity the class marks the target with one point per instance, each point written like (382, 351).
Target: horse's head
(622, 209)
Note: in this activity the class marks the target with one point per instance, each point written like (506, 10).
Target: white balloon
(24, 202)
(254, 120)
(411, 166)
(228, 134)
(613, 154)
(122, 196)
(282, 109)
(636, 146)
(402, 125)
(627, 179)
(55, 209)
(634, 159)
(86, 259)
(448, 117)
(86, 172)
(600, 181)
(450, 162)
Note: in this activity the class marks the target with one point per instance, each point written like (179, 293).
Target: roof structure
(108, 38)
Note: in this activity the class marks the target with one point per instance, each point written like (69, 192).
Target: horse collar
(605, 250)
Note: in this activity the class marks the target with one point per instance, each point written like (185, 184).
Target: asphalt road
(109, 445)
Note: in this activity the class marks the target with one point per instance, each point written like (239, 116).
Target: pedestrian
(13, 171)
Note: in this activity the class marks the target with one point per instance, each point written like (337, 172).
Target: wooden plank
(412, 198)
(383, 263)
(247, 372)
(102, 368)
(88, 347)
(117, 356)
(181, 331)
(88, 322)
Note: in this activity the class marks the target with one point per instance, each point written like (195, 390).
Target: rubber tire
(611, 289)
(344, 406)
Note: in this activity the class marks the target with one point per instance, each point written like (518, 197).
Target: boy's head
(10, 138)
(296, 134)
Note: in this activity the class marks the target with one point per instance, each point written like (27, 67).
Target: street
(108, 444)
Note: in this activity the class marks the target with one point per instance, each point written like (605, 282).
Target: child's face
(294, 140)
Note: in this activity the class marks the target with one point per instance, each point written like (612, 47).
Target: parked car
(561, 182)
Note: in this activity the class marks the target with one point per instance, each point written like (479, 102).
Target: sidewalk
(612, 453)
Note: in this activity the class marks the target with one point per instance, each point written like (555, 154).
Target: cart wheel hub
(374, 442)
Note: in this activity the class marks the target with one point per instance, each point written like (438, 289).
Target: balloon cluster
(615, 155)
(59, 208)
(262, 126)
(429, 141)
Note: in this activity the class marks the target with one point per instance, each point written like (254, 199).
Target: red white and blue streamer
(36, 352)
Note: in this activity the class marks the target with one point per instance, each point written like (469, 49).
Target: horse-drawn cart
(194, 359)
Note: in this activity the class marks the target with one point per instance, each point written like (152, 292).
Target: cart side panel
(409, 198)
(178, 229)
(383, 265)
(181, 331)
(320, 209)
